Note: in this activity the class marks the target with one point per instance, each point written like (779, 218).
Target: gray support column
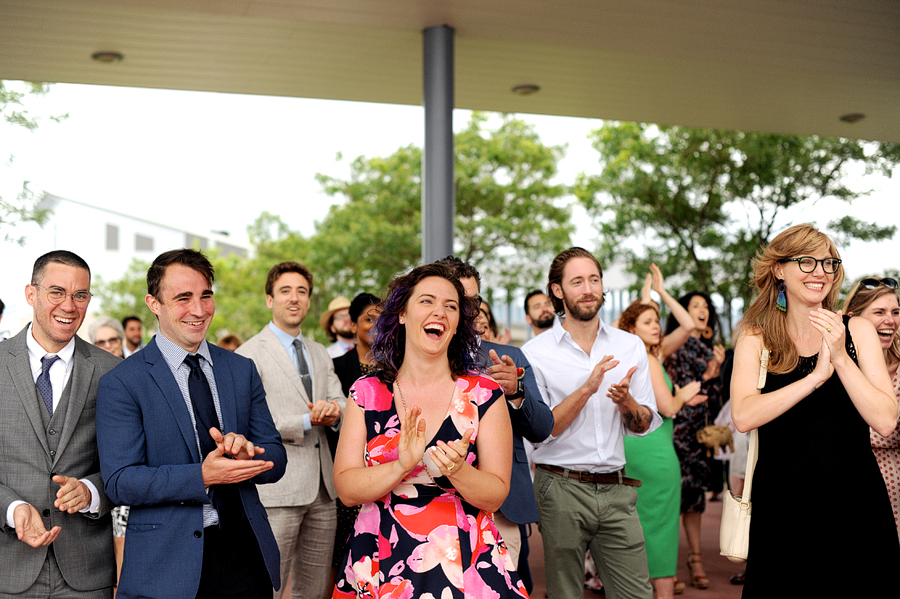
(438, 160)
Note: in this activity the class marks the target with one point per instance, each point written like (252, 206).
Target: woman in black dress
(820, 506)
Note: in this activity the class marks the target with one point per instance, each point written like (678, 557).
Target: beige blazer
(307, 451)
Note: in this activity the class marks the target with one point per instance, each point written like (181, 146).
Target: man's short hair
(283, 267)
(530, 295)
(186, 257)
(63, 257)
(128, 319)
(556, 273)
(463, 269)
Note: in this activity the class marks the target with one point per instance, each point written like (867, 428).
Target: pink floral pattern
(887, 452)
(423, 539)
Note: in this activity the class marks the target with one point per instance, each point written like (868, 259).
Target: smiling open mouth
(434, 330)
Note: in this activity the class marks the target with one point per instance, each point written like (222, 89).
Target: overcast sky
(215, 161)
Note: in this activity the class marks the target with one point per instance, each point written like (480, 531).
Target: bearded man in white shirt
(597, 383)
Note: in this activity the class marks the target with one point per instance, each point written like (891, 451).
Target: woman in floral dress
(426, 449)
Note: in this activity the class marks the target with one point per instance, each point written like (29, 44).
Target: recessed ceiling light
(526, 89)
(853, 117)
(108, 57)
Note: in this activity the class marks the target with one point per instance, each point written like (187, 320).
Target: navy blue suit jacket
(150, 461)
(533, 421)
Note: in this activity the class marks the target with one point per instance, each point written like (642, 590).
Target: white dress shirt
(593, 442)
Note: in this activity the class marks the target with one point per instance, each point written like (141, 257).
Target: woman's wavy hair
(762, 317)
(861, 298)
(628, 320)
(390, 336)
(712, 321)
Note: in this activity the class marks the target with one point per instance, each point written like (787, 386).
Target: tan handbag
(734, 531)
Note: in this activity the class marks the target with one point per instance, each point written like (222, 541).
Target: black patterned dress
(686, 366)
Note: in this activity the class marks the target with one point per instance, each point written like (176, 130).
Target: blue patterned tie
(203, 404)
(43, 381)
(305, 376)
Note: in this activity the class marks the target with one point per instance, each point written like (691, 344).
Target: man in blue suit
(185, 435)
(531, 418)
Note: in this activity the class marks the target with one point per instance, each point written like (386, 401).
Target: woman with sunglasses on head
(813, 381)
(878, 301)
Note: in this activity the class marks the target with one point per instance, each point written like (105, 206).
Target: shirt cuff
(307, 423)
(95, 498)
(513, 405)
(10, 521)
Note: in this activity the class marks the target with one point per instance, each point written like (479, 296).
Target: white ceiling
(791, 66)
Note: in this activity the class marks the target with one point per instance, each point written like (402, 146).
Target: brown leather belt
(610, 478)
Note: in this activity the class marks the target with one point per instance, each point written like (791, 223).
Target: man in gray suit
(304, 397)
(58, 540)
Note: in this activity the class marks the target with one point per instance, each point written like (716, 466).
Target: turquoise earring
(781, 302)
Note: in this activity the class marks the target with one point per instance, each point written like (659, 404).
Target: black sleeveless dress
(822, 520)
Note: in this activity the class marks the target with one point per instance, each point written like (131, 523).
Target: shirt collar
(36, 352)
(286, 339)
(174, 354)
(559, 333)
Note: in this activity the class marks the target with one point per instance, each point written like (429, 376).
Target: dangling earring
(781, 302)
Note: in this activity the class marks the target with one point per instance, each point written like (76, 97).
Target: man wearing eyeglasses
(52, 504)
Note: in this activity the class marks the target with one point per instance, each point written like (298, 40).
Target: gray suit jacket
(307, 452)
(84, 547)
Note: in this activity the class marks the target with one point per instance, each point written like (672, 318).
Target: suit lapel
(20, 372)
(276, 352)
(79, 385)
(162, 375)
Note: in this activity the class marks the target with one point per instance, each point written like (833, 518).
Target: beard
(579, 312)
(346, 335)
(544, 323)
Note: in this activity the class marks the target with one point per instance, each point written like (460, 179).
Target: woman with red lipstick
(877, 301)
(812, 381)
(651, 459)
(696, 360)
(426, 449)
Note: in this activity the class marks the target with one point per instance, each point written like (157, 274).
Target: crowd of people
(412, 456)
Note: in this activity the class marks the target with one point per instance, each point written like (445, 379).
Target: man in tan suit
(304, 396)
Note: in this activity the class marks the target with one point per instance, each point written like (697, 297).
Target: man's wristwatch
(520, 387)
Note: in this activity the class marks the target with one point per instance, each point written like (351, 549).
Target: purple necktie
(43, 381)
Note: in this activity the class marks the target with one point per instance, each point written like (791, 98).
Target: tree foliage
(24, 208)
(509, 215)
(701, 202)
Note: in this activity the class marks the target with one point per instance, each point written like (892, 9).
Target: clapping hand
(411, 441)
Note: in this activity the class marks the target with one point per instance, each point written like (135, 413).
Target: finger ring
(828, 329)
(450, 467)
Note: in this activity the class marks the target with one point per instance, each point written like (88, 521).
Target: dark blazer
(84, 547)
(533, 421)
(150, 461)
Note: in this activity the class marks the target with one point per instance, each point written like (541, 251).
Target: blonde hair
(861, 298)
(762, 317)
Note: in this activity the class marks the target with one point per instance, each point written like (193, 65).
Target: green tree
(510, 216)
(24, 208)
(124, 297)
(701, 203)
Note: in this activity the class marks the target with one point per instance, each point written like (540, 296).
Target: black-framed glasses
(809, 264)
(872, 283)
(57, 296)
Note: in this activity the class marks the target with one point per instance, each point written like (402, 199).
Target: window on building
(142, 243)
(195, 241)
(112, 238)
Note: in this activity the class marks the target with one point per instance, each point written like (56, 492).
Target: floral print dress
(887, 452)
(423, 539)
(685, 366)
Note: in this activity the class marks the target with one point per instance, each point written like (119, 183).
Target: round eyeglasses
(809, 264)
(57, 296)
(872, 283)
